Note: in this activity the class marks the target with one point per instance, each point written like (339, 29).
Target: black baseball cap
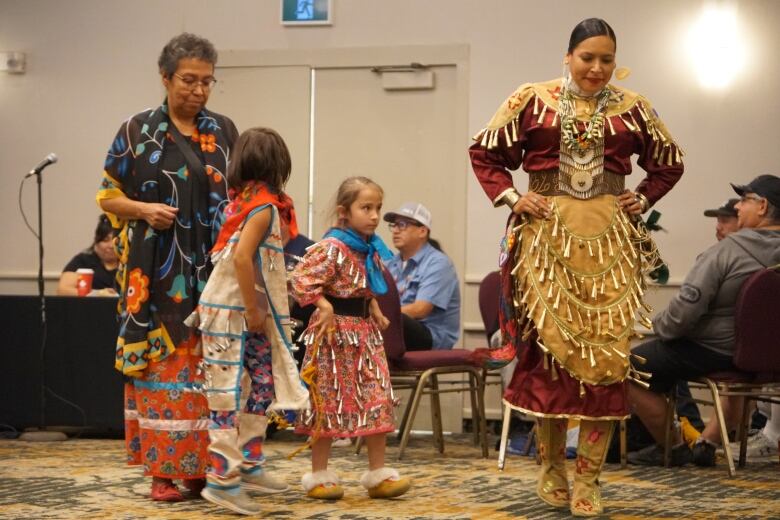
(725, 210)
(766, 186)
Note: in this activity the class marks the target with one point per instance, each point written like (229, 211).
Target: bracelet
(643, 202)
(511, 198)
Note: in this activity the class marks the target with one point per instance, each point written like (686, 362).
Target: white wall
(91, 63)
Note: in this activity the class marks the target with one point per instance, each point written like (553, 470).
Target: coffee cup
(84, 281)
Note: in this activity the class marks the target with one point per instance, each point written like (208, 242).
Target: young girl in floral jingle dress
(244, 322)
(345, 361)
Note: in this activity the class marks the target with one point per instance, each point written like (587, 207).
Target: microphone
(50, 159)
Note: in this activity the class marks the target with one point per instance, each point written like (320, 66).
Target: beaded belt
(554, 182)
(349, 306)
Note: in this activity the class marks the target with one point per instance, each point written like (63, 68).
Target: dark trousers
(416, 335)
(674, 360)
(670, 362)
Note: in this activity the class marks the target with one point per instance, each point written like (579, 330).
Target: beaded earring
(566, 73)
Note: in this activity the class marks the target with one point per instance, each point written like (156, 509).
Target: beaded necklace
(581, 142)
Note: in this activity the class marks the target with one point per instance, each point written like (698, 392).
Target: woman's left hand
(630, 203)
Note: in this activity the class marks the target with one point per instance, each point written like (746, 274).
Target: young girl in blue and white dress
(345, 361)
(243, 319)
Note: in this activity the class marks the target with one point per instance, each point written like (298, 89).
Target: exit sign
(306, 12)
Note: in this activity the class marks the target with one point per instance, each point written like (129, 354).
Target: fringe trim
(665, 149)
(571, 299)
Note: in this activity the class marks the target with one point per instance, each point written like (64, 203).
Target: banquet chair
(756, 358)
(419, 371)
(489, 293)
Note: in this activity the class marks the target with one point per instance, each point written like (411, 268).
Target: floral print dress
(161, 275)
(351, 370)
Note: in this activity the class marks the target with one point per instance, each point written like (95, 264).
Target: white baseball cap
(411, 210)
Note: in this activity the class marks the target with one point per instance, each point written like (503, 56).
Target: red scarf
(254, 194)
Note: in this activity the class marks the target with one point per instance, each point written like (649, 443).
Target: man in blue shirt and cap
(426, 281)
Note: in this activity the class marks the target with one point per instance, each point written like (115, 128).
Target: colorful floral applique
(219, 463)
(216, 175)
(137, 290)
(515, 101)
(584, 504)
(581, 465)
(253, 449)
(208, 143)
(594, 436)
(119, 153)
(178, 289)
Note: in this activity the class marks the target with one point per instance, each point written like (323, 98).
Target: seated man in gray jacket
(696, 331)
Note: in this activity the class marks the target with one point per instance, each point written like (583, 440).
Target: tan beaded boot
(591, 451)
(553, 486)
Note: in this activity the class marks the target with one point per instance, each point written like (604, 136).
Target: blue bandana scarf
(376, 281)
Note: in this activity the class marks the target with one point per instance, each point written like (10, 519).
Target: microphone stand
(41, 434)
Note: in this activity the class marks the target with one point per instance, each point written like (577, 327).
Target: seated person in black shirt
(100, 257)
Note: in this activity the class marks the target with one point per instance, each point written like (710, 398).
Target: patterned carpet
(86, 479)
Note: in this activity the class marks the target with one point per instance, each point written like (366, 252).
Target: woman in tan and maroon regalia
(575, 250)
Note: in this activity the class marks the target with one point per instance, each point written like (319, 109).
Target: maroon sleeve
(493, 166)
(655, 160)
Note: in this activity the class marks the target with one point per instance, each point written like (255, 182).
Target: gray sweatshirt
(703, 310)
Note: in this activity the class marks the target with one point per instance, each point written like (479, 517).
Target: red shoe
(165, 491)
(194, 485)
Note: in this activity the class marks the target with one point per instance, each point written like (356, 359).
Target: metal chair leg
(504, 435)
(481, 408)
(405, 418)
(438, 434)
(724, 433)
(743, 431)
(415, 402)
(474, 412)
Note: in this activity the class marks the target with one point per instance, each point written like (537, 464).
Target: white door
(405, 140)
(278, 98)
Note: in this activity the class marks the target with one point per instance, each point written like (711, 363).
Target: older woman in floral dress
(163, 188)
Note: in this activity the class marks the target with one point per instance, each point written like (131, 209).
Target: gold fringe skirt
(578, 283)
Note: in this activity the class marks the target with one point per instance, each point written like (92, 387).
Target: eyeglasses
(402, 224)
(191, 83)
(750, 196)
